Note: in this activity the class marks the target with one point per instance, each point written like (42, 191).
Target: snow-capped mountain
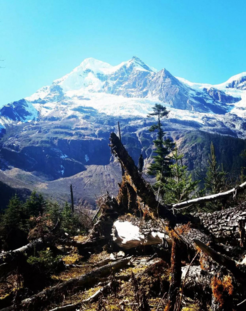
(131, 89)
(62, 130)
(131, 79)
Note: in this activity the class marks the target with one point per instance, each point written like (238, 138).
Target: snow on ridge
(87, 82)
(33, 113)
(194, 85)
(1, 125)
(138, 64)
(97, 66)
(40, 94)
(88, 74)
(110, 104)
(236, 77)
(221, 86)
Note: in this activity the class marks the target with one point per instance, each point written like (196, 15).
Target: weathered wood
(72, 200)
(143, 189)
(122, 169)
(234, 191)
(26, 248)
(92, 298)
(175, 281)
(225, 225)
(185, 277)
(69, 307)
(150, 233)
(56, 292)
(227, 262)
(194, 276)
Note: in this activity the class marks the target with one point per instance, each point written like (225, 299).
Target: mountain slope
(62, 130)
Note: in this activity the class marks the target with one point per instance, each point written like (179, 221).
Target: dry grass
(71, 258)
(80, 238)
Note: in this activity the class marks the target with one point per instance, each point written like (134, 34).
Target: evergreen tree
(14, 225)
(35, 204)
(53, 211)
(161, 164)
(69, 220)
(180, 186)
(215, 179)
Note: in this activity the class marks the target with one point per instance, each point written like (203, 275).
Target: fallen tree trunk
(56, 293)
(226, 225)
(143, 189)
(194, 277)
(69, 307)
(92, 298)
(223, 225)
(234, 191)
(227, 262)
(26, 248)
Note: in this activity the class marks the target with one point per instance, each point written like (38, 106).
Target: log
(26, 248)
(129, 235)
(92, 298)
(57, 292)
(225, 225)
(69, 307)
(227, 262)
(194, 277)
(234, 191)
(37, 244)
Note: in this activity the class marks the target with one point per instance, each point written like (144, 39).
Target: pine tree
(14, 224)
(35, 204)
(53, 211)
(215, 177)
(180, 186)
(161, 164)
(69, 220)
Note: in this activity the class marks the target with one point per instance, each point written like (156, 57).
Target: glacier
(130, 90)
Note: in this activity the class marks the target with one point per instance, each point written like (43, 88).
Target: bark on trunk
(226, 225)
(227, 262)
(143, 189)
(174, 285)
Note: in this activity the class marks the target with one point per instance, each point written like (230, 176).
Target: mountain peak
(136, 59)
(94, 65)
(138, 64)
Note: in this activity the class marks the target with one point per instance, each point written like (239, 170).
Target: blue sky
(42, 40)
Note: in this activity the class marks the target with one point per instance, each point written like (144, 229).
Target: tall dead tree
(72, 199)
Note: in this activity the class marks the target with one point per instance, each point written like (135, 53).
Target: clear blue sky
(42, 40)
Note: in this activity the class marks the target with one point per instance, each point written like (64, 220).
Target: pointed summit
(138, 64)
